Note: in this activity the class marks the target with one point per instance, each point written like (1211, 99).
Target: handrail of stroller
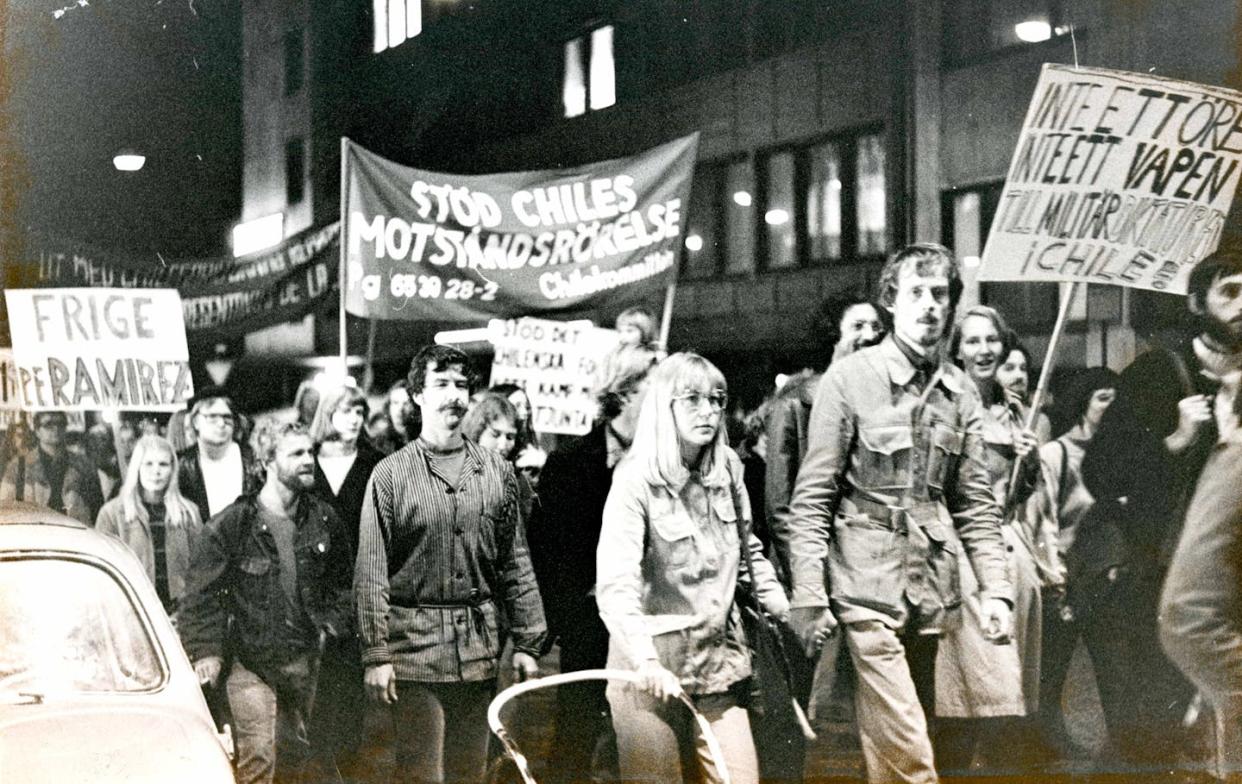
(493, 715)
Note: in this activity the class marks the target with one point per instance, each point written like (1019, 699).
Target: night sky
(86, 78)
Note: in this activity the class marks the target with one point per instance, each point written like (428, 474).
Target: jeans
(441, 731)
(657, 741)
(270, 718)
(893, 696)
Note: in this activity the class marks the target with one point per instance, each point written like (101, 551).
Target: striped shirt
(436, 556)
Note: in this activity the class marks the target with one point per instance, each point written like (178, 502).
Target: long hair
(657, 446)
(344, 396)
(176, 507)
(526, 434)
(487, 408)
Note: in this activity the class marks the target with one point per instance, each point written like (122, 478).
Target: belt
(474, 603)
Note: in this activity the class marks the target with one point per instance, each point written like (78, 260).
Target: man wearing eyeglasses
(217, 470)
(52, 477)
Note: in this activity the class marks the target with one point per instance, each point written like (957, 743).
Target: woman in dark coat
(344, 460)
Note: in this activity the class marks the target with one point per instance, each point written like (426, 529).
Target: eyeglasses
(718, 401)
(218, 418)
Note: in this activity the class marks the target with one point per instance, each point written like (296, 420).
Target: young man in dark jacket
(217, 469)
(279, 564)
(1141, 466)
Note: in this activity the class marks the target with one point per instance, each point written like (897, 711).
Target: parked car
(94, 684)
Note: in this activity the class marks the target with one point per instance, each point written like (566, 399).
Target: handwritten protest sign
(92, 349)
(10, 400)
(1118, 178)
(555, 362)
(421, 245)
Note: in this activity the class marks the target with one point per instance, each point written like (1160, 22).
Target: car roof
(25, 526)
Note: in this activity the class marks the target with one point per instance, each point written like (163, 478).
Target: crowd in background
(402, 558)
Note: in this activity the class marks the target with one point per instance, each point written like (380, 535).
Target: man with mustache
(442, 557)
(896, 461)
(1141, 466)
(269, 583)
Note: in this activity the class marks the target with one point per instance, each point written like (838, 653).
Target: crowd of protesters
(930, 547)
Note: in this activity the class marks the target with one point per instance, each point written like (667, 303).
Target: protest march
(609, 392)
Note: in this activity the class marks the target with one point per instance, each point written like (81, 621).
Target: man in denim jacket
(892, 484)
(280, 564)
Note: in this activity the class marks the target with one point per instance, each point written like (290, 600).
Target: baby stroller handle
(511, 748)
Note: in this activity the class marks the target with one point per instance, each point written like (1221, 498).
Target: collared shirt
(885, 459)
(667, 572)
(436, 555)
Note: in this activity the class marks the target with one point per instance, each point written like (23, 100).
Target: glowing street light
(694, 243)
(742, 199)
(1032, 31)
(128, 161)
(777, 217)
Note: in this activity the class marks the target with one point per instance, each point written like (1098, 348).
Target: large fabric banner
(443, 247)
(1118, 178)
(99, 348)
(221, 297)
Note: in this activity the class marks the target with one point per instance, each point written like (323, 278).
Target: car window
(69, 626)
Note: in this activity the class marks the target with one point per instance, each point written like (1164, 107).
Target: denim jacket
(893, 483)
(235, 570)
(666, 578)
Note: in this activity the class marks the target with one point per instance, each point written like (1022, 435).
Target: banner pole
(1045, 372)
(341, 235)
(666, 319)
(368, 375)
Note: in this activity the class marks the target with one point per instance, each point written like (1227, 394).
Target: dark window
(701, 257)
(295, 171)
(295, 61)
(739, 217)
(976, 28)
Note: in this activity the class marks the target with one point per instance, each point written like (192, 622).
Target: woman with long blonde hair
(667, 567)
(153, 519)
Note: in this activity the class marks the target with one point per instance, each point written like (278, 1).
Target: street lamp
(1032, 31)
(128, 161)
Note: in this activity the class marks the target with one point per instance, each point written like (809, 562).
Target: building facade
(831, 133)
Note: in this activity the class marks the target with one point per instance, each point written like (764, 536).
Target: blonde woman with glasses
(667, 570)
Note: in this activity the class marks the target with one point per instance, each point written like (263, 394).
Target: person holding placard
(894, 483)
(1141, 467)
(977, 680)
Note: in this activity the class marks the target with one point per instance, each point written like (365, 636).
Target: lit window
(872, 220)
(574, 92)
(603, 75)
(823, 202)
(778, 213)
(739, 218)
(590, 73)
(396, 21)
(977, 28)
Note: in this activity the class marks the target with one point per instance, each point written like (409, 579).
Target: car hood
(63, 741)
